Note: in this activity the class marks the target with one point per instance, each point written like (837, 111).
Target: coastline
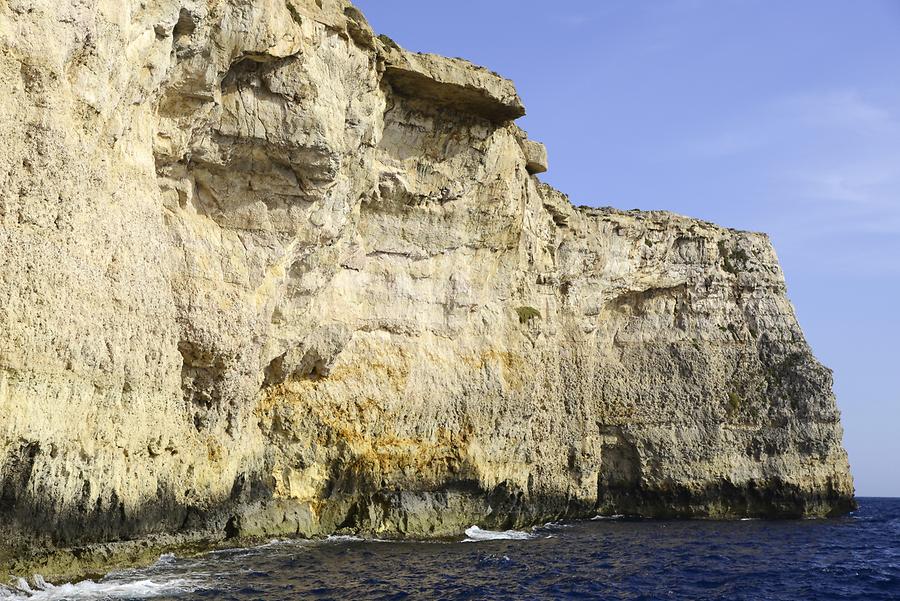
(94, 561)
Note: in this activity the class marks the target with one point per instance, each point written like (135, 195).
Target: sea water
(855, 557)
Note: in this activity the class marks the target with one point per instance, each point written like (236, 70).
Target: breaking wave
(343, 538)
(476, 534)
(105, 590)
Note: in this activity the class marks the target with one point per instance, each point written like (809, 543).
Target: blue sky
(781, 117)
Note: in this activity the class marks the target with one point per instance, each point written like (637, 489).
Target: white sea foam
(341, 538)
(476, 534)
(39, 590)
(280, 542)
(557, 525)
(617, 516)
(166, 559)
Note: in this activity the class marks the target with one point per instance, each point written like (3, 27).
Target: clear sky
(782, 117)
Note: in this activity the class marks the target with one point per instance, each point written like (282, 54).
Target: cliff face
(264, 273)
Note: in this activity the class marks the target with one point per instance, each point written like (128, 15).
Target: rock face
(264, 273)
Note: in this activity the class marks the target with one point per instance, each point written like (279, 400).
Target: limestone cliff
(264, 273)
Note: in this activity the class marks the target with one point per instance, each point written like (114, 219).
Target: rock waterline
(265, 273)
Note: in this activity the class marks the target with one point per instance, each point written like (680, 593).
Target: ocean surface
(855, 557)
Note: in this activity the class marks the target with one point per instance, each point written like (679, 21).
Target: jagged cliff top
(460, 84)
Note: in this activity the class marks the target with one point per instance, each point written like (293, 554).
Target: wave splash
(476, 534)
(40, 590)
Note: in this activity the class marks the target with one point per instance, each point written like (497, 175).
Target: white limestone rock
(265, 273)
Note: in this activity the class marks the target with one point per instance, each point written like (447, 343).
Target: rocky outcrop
(265, 273)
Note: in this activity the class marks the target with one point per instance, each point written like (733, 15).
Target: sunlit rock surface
(263, 273)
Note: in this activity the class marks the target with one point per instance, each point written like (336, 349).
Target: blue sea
(855, 557)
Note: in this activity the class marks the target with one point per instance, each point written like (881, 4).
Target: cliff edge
(265, 273)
